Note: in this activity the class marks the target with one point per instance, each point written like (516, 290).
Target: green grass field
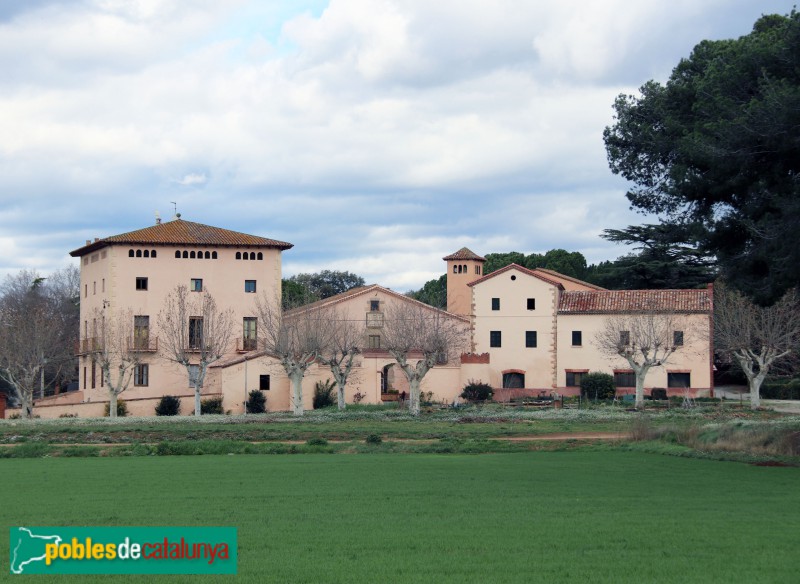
(578, 516)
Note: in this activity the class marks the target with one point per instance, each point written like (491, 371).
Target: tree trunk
(198, 410)
(413, 401)
(342, 404)
(112, 404)
(297, 392)
(755, 390)
(640, 375)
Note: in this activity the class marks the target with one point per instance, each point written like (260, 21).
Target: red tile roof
(180, 232)
(464, 254)
(561, 277)
(610, 301)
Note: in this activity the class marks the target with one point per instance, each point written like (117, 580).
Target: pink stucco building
(525, 331)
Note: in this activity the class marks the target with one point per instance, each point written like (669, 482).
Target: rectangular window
(194, 374)
(263, 382)
(681, 380)
(249, 333)
(104, 285)
(195, 332)
(495, 338)
(250, 286)
(374, 305)
(577, 338)
(141, 332)
(677, 338)
(86, 290)
(84, 378)
(624, 338)
(374, 342)
(141, 283)
(531, 303)
(196, 285)
(574, 378)
(94, 288)
(141, 375)
(624, 379)
(495, 304)
(94, 374)
(477, 270)
(530, 339)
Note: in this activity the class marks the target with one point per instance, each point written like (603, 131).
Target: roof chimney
(88, 241)
(97, 239)
(158, 218)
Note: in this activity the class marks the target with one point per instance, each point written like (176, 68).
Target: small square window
(374, 305)
(682, 380)
(495, 338)
(530, 339)
(495, 304)
(263, 382)
(374, 341)
(677, 338)
(624, 379)
(141, 283)
(250, 286)
(531, 303)
(574, 378)
(624, 338)
(196, 285)
(577, 338)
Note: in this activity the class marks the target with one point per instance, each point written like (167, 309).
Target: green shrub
(212, 405)
(323, 394)
(373, 439)
(257, 404)
(781, 390)
(122, 409)
(317, 441)
(169, 405)
(477, 391)
(66, 415)
(598, 386)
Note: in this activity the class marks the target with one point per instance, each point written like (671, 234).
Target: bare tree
(31, 337)
(645, 339)
(117, 354)
(296, 338)
(420, 337)
(194, 332)
(341, 349)
(757, 338)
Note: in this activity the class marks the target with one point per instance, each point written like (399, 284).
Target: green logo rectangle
(123, 550)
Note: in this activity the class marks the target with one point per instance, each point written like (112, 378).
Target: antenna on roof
(175, 206)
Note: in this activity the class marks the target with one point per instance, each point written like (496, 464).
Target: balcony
(143, 344)
(246, 345)
(374, 320)
(86, 346)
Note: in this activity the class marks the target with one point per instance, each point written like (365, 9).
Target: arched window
(455, 269)
(152, 253)
(252, 255)
(191, 255)
(177, 254)
(245, 256)
(185, 254)
(465, 268)
(147, 253)
(130, 253)
(208, 255)
(238, 255)
(199, 255)
(459, 269)
(138, 253)
(260, 256)
(213, 255)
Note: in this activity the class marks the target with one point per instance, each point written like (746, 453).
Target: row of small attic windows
(462, 269)
(185, 254)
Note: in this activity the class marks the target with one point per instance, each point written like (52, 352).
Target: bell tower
(463, 267)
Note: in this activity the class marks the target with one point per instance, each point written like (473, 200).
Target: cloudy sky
(375, 135)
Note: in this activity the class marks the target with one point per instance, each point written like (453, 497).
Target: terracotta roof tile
(562, 277)
(611, 301)
(180, 232)
(464, 254)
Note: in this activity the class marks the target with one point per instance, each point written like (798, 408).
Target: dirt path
(567, 436)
